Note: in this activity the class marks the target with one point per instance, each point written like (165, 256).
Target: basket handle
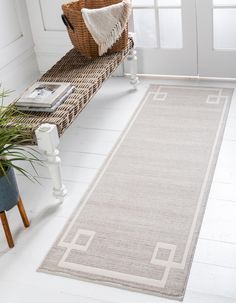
(67, 22)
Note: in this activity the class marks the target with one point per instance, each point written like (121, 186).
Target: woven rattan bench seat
(86, 75)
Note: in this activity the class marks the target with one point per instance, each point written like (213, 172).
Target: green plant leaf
(14, 136)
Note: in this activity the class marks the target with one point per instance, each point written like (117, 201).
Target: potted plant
(13, 137)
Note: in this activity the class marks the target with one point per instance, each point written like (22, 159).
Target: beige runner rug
(138, 225)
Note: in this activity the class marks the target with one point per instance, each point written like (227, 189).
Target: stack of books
(44, 96)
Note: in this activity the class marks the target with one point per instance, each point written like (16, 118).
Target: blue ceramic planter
(9, 193)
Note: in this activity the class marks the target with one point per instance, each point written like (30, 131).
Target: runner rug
(138, 225)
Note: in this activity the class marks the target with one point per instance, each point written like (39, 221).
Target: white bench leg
(48, 141)
(132, 57)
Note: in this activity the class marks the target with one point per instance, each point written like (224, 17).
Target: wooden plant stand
(5, 224)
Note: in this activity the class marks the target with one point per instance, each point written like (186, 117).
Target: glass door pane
(145, 28)
(169, 3)
(170, 23)
(224, 2)
(224, 24)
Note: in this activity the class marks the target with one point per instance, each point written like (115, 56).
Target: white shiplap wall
(18, 65)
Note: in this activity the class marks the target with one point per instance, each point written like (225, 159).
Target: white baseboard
(182, 77)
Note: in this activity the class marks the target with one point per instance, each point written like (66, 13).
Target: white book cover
(47, 109)
(43, 94)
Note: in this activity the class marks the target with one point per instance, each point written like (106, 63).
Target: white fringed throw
(107, 24)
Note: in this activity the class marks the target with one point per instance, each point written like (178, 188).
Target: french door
(166, 36)
(217, 38)
(186, 37)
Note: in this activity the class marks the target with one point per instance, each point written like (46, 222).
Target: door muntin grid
(158, 23)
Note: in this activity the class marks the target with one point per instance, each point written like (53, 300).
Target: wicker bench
(87, 76)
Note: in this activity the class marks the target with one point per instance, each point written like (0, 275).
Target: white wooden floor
(84, 147)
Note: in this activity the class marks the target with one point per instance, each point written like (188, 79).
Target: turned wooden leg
(132, 57)
(6, 229)
(23, 213)
(48, 141)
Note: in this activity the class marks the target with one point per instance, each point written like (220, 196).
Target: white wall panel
(51, 15)
(14, 42)
(10, 28)
(18, 64)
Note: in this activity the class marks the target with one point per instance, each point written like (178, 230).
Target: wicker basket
(78, 32)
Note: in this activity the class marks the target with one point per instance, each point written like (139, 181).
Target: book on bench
(44, 96)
